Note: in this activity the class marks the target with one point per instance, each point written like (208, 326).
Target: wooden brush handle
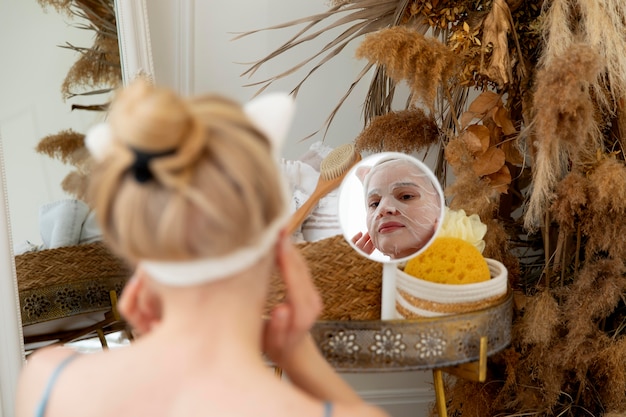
(322, 188)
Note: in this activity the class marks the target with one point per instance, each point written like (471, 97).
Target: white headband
(199, 271)
(272, 115)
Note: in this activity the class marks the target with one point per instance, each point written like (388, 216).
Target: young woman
(189, 192)
(402, 208)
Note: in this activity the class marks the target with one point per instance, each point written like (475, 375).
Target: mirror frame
(136, 59)
(347, 201)
(12, 346)
(388, 290)
(133, 37)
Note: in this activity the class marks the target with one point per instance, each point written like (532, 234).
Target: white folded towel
(302, 176)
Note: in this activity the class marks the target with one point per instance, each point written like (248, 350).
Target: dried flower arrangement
(96, 72)
(537, 153)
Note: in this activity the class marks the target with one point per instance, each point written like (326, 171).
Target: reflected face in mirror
(403, 207)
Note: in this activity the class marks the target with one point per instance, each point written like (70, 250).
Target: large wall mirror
(31, 107)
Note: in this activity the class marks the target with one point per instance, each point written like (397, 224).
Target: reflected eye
(373, 203)
(409, 196)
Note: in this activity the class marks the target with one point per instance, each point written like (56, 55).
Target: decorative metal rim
(416, 344)
(67, 300)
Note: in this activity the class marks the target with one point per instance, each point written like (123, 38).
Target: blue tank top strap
(328, 409)
(41, 408)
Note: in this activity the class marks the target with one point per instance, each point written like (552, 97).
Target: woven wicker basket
(68, 281)
(68, 264)
(350, 285)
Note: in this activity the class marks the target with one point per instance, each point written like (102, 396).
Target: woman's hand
(287, 329)
(363, 241)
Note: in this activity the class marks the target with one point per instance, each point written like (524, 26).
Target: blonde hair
(216, 192)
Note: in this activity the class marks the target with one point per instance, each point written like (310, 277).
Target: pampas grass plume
(62, 146)
(608, 187)
(424, 63)
(564, 124)
(571, 200)
(595, 293)
(604, 225)
(610, 372)
(541, 319)
(405, 131)
(472, 195)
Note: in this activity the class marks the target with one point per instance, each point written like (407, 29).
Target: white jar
(417, 297)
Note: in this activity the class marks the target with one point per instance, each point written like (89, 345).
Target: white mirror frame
(133, 35)
(136, 59)
(11, 336)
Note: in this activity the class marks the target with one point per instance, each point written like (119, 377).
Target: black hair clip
(141, 167)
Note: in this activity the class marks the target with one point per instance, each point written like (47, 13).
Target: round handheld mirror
(391, 206)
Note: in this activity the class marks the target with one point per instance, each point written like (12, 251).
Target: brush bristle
(338, 161)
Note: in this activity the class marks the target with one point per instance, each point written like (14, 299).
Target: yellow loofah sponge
(449, 260)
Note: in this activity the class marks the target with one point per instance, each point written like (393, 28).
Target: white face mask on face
(403, 207)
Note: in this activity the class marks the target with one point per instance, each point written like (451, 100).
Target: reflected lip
(389, 227)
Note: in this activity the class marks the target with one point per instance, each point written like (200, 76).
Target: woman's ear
(140, 305)
(272, 114)
(361, 172)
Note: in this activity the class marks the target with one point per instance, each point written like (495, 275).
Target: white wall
(201, 33)
(31, 106)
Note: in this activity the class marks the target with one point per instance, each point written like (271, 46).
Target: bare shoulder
(360, 410)
(35, 375)
(44, 361)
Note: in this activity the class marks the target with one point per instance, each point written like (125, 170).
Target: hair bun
(148, 118)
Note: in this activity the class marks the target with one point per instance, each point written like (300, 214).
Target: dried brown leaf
(484, 102)
(496, 27)
(489, 162)
(502, 120)
(512, 153)
(466, 118)
(501, 179)
(473, 143)
(482, 133)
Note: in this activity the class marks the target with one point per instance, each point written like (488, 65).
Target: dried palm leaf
(99, 13)
(99, 64)
(361, 17)
(61, 6)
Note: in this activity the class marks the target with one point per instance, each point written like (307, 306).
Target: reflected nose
(386, 209)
